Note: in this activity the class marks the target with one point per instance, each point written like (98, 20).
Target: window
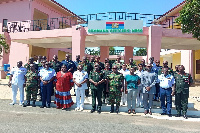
(4, 26)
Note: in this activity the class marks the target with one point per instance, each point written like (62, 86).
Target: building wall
(19, 52)
(197, 57)
(176, 59)
(15, 11)
(50, 11)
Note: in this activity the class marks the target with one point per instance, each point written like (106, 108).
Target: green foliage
(141, 52)
(190, 18)
(111, 50)
(4, 47)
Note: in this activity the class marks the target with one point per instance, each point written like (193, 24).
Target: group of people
(113, 83)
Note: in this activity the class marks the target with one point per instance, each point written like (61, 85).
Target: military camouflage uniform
(96, 91)
(130, 66)
(31, 85)
(182, 91)
(55, 65)
(115, 85)
(119, 65)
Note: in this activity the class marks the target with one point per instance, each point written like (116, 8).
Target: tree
(111, 50)
(141, 52)
(4, 47)
(190, 18)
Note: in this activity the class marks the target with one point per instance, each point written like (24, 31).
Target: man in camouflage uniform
(97, 61)
(183, 81)
(27, 65)
(31, 85)
(106, 72)
(118, 63)
(116, 81)
(96, 79)
(131, 63)
(55, 64)
(165, 65)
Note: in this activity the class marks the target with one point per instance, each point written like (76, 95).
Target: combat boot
(33, 105)
(117, 109)
(112, 109)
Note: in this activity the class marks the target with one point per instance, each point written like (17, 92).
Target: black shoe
(33, 105)
(42, 106)
(24, 105)
(163, 113)
(170, 115)
(178, 115)
(92, 111)
(99, 111)
(185, 116)
(112, 109)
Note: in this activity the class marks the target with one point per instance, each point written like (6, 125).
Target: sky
(84, 7)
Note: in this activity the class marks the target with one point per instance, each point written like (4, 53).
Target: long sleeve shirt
(149, 79)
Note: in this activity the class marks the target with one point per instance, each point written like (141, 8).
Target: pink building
(59, 34)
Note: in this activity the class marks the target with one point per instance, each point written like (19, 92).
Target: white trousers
(80, 93)
(14, 92)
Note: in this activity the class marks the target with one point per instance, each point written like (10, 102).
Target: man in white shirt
(80, 78)
(17, 79)
(125, 72)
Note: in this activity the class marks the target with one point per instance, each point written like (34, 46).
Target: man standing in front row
(167, 82)
(116, 85)
(80, 78)
(47, 75)
(17, 79)
(148, 81)
(96, 79)
(183, 82)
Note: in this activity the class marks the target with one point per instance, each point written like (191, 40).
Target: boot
(27, 103)
(117, 109)
(112, 109)
(33, 105)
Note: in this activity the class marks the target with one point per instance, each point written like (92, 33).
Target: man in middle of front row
(167, 82)
(96, 79)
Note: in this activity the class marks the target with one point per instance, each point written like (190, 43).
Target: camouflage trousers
(181, 102)
(31, 91)
(115, 98)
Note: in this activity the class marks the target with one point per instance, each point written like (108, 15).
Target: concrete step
(155, 103)
(106, 107)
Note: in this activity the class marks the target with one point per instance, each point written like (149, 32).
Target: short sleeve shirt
(47, 74)
(80, 77)
(166, 81)
(18, 75)
(132, 81)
